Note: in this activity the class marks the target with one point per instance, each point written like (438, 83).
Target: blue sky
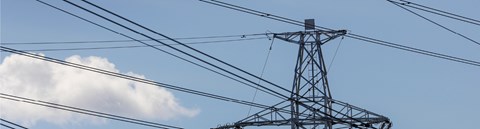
(414, 91)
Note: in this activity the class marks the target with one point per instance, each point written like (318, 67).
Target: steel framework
(310, 104)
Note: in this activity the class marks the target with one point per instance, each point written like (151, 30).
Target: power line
(140, 80)
(335, 55)
(207, 55)
(127, 77)
(113, 31)
(436, 23)
(303, 105)
(250, 11)
(191, 48)
(242, 37)
(306, 106)
(154, 46)
(261, 74)
(349, 35)
(414, 50)
(149, 82)
(17, 125)
(85, 111)
(349, 118)
(4, 125)
(439, 12)
(132, 46)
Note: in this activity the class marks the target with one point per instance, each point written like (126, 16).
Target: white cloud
(33, 78)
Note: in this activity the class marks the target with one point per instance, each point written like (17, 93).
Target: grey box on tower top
(309, 24)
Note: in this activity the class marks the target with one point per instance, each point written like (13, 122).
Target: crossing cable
(431, 21)
(258, 13)
(335, 55)
(261, 74)
(414, 50)
(157, 41)
(182, 44)
(176, 49)
(314, 109)
(349, 35)
(17, 125)
(124, 35)
(136, 79)
(440, 12)
(224, 69)
(119, 47)
(4, 125)
(242, 37)
(155, 32)
(287, 98)
(85, 111)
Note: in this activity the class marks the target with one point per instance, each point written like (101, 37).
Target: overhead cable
(414, 50)
(137, 79)
(208, 62)
(85, 111)
(209, 56)
(261, 74)
(438, 12)
(242, 37)
(14, 124)
(126, 46)
(159, 49)
(335, 54)
(349, 35)
(433, 22)
(4, 125)
(174, 48)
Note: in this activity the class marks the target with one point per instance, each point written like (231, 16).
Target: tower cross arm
(293, 37)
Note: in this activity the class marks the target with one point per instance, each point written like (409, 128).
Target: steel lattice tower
(310, 104)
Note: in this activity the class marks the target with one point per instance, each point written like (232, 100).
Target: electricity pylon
(310, 104)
